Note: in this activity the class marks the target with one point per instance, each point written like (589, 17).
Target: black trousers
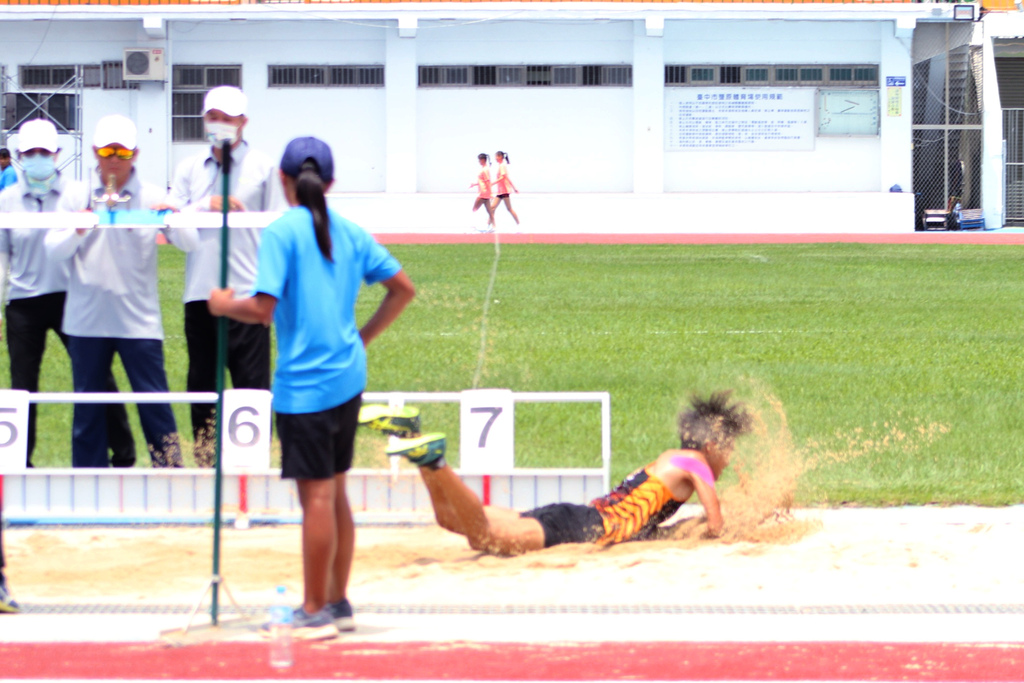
(28, 321)
(248, 361)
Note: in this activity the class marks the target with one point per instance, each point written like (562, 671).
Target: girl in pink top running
(504, 183)
(483, 183)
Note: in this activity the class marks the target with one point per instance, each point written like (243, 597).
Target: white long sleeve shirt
(255, 182)
(112, 285)
(23, 261)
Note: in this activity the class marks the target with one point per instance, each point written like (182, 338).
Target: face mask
(218, 132)
(40, 173)
(38, 167)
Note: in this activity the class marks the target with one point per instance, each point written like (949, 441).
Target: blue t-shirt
(8, 177)
(321, 362)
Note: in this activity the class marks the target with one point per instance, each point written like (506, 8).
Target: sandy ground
(818, 558)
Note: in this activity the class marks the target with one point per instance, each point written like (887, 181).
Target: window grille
(675, 75)
(190, 83)
(730, 74)
(767, 75)
(529, 75)
(32, 77)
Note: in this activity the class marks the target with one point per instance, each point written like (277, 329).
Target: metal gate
(1013, 165)
(947, 118)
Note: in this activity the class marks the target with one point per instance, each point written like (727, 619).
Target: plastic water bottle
(281, 631)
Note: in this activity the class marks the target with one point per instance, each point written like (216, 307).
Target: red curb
(660, 661)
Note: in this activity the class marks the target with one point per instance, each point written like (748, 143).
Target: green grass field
(897, 367)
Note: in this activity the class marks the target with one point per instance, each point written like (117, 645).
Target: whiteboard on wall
(739, 119)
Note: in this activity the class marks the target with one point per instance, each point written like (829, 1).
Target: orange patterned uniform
(635, 508)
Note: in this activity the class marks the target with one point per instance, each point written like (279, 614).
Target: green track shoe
(423, 451)
(402, 422)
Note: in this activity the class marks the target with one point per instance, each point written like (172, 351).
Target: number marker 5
(13, 431)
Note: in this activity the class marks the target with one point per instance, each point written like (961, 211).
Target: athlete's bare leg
(480, 201)
(494, 530)
(345, 528)
(508, 205)
(319, 539)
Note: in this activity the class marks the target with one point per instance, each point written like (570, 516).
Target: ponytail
(309, 190)
(504, 157)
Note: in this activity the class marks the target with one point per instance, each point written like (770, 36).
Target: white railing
(140, 495)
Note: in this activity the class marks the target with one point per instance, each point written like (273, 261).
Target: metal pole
(222, 348)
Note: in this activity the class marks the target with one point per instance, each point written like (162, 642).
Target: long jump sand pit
(820, 557)
(768, 554)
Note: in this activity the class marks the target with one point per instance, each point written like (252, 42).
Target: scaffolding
(21, 104)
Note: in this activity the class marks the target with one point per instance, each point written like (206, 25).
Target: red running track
(622, 238)
(460, 661)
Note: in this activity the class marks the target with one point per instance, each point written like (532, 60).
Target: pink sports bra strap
(694, 466)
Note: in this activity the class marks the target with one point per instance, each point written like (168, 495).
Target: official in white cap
(198, 186)
(37, 286)
(113, 304)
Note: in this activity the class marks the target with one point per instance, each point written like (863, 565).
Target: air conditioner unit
(143, 64)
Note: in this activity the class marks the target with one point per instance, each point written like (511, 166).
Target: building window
(189, 86)
(280, 76)
(32, 77)
(51, 93)
(731, 74)
(61, 108)
(787, 75)
(812, 75)
(765, 75)
(561, 76)
(702, 75)
(756, 75)
(675, 75)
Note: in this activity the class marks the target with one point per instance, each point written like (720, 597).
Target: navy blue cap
(301, 149)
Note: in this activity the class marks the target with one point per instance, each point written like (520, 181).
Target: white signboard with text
(739, 119)
(487, 431)
(245, 430)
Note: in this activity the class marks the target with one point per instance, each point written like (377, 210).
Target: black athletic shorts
(318, 445)
(503, 196)
(567, 523)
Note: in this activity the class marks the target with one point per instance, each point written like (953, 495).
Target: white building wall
(421, 142)
(58, 43)
(851, 164)
(558, 139)
(351, 120)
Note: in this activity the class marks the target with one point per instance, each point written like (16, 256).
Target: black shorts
(567, 523)
(503, 196)
(318, 445)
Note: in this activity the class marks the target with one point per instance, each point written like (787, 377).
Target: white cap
(38, 134)
(227, 99)
(116, 130)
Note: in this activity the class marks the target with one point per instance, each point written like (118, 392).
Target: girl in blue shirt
(311, 265)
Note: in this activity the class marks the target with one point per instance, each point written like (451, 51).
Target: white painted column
(897, 157)
(648, 106)
(400, 106)
(150, 115)
(150, 109)
(993, 182)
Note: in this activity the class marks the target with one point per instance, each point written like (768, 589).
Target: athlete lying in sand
(633, 511)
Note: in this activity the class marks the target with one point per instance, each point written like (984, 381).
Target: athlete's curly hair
(713, 420)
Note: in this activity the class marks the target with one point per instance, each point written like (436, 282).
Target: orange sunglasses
(121, 152)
